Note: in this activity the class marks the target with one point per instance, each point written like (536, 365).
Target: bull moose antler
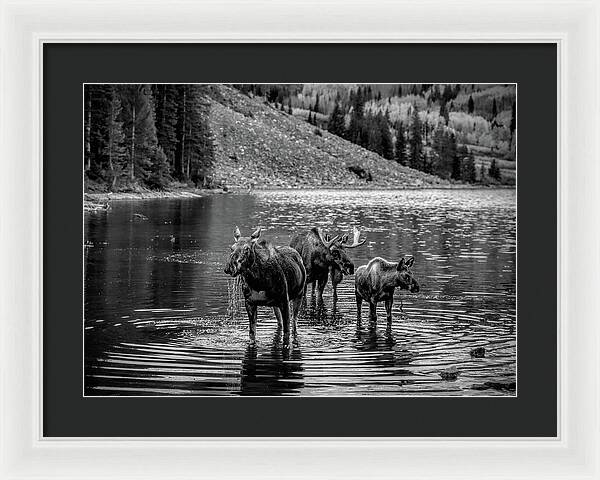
(355, 241)
(256, 234)
(326, 243)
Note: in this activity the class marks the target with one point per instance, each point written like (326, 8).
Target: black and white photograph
(331, 240)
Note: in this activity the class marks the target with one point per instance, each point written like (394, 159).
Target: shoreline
(198, 193)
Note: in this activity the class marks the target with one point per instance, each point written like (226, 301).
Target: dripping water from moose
(161, 317)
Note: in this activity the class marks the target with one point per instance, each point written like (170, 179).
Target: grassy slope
(259, 145)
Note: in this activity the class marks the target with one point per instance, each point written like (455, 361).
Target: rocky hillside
(261, 147)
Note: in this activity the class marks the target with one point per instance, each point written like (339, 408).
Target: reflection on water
(161, 317)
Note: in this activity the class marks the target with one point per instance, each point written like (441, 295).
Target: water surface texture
(161, 317)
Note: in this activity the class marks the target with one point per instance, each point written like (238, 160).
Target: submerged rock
(478, 352)
(450, 373)
(500, 386)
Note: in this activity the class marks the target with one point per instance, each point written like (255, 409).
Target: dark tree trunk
(132, 159)
(88, 122)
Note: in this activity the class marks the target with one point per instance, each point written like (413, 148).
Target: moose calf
(376, 282)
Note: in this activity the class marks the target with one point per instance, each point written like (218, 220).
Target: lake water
(161, 317)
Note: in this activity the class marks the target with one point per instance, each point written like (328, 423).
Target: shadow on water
(161, 317)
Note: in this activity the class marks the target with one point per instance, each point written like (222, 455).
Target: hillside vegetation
(258, 146)
(166, 137)
(463, 132)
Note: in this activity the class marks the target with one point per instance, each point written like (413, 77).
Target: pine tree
(166, 109)
(444, 112)
(494, 109)
(469, 173)
(494, 171)
(87, 127)
(115, 148)
(446, 161)
(273, 94)
(400, 148)
(427, 163)
(198, 151)
(415, 141)
(482, 173)
(290, 111)
(96, 121)
(336, 124)
(453, 157)
(355, 133)
(159, 170)
(181, 129)
(513, 120)
(316, 108)
(471, 105)
(387, 144)
(371, 134)
(447, 94)
(139, 128)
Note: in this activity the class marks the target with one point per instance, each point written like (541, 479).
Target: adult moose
(376, 282)
(271, 276)
(322, 255)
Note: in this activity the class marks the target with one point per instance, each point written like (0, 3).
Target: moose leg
(277, 313)
(296, 305)
(373, 311)
(359, 301)
(285, 314)
(388, 310)
(335, 296)
(322, 283)
(334, 283)
(251, 309)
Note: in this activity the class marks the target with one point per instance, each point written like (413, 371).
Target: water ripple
(162, 319)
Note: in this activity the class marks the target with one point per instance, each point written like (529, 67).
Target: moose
(376, 282)
(271, 276)
(323, 256)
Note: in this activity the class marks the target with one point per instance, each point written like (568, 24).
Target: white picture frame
(574, 26)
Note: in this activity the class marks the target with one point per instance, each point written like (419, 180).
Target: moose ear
(401, 264)
(256, 234)
(236, 233)
(409, 262)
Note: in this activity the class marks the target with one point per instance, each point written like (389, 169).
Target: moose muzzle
(348, 268)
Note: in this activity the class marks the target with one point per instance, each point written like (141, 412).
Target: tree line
(424, 137)
(146, 135)
(381, 118)
(416, 145)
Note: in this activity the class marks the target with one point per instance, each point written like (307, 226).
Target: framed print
(365, 241)
(202, 249)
